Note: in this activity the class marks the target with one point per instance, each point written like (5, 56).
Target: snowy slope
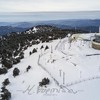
(72, 74)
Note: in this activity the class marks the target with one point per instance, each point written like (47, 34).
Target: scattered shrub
(25, 47)
(16, 53)
(27, 69)
(21, 56)
(44, 81)
(3, 71)
(3, 89)
(6, 95)
(7, 63)
(42, 47)
(34, 50)
(16, 72)
(16, 60)
(30, 53)
(6, 82)
(46, 47)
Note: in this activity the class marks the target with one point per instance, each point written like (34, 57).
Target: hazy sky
(48, 5)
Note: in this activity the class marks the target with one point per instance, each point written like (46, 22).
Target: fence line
(83, 80)
(68, 84)
(57, 83)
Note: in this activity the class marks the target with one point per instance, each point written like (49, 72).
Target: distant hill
(10, 29)
(73, 23)
(87, 25)
(23, 24)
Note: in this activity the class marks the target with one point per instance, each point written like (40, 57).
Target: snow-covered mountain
(73, 75)
(41, 29)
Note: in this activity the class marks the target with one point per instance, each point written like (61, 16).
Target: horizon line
(51, 11)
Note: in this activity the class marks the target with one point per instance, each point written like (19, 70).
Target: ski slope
(72, 74)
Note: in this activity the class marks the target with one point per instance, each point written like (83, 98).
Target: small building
(96, 42)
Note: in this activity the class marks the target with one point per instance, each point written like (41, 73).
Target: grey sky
(48, 5)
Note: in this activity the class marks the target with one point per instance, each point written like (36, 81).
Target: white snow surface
(72, 74)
